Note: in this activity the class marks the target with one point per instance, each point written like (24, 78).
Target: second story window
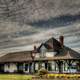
(43, 52)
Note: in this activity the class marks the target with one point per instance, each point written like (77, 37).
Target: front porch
(52, 66)
(59, 66)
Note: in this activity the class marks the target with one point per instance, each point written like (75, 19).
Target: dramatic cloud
(25, 23)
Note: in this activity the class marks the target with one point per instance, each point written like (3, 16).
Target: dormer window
(43, 51)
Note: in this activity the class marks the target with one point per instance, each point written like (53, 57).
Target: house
(52, 55)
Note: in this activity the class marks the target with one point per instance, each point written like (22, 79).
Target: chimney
(35, 48)
(61, 40)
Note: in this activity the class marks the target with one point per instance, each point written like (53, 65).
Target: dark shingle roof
(51, 44)
(67, 53)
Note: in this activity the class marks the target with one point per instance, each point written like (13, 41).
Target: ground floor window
(52, 66)
(26, 67)
(72, 67)
(39, 65)
(20, 66)
(36, 66)
(43, 65)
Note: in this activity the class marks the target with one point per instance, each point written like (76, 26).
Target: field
(31, 77)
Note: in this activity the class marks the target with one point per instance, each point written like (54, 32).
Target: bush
(42, 72)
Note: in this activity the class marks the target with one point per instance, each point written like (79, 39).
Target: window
(36, 66)
(43, 52)
(26, 67)
(51, 66)
(43, 65)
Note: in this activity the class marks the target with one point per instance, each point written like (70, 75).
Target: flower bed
(63, 75)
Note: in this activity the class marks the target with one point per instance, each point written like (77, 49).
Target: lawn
(15, 77)
(30, 77)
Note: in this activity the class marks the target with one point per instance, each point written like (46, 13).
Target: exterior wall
(47, 54)
(52, 67)
(10, 67)
(50, 54)
(37, 55)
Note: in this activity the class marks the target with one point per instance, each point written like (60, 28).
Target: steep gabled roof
(52, 43)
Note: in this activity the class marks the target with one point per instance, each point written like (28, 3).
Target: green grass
(29, 77)
(15, 77)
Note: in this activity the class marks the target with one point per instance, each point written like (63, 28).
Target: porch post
(59, 63)
(69, 64)
(55, 66)
(30, 67)
(33, 67)
(64, 65)
(78, 66)
(46, 65)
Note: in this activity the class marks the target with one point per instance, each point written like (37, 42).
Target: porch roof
(16, 57)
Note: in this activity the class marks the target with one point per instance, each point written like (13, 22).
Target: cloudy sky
(25, 23)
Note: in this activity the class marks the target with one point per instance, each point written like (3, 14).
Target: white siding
(47, 54)
(37, 55)
(50, 54)
(10, 67)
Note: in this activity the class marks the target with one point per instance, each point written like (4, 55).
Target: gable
(43, 49)
(51, 44)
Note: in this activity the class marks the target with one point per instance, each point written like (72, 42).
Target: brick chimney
(61, 40)
(35, 48)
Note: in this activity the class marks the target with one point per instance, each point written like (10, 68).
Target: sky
(25, 23)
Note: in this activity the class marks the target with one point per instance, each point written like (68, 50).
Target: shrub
(42, 72)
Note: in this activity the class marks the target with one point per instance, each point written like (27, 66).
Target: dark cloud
(60, 21)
